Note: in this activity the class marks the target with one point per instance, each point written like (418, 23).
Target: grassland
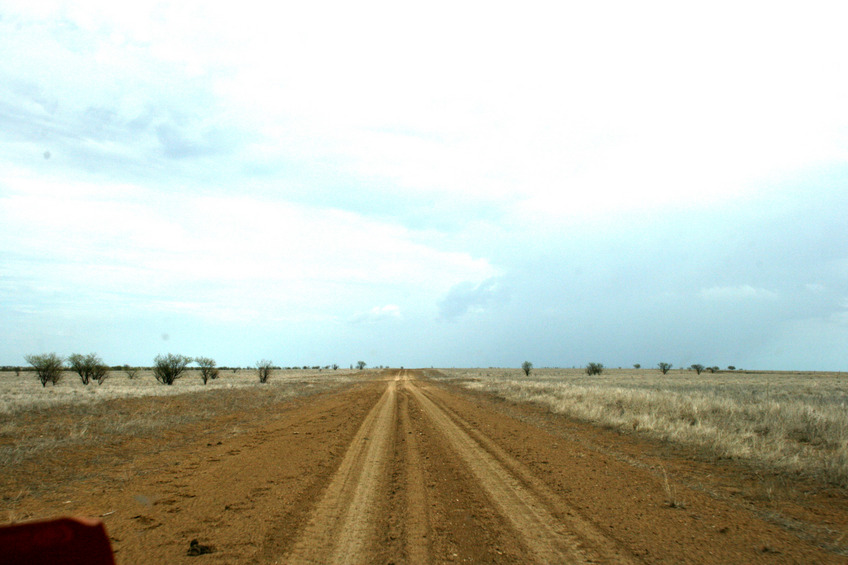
(36, 421)
(790, 422)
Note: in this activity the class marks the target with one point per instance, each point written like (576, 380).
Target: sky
(447, 184)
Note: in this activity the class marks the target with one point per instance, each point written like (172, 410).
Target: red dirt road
(398, 469)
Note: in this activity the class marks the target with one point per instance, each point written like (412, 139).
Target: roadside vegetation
(791, 422)
(36, 423)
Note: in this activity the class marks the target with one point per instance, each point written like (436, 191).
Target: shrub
(360, 365)
(697, 367)
(526, 367)
(170, 367)
(594, 369)
(637, 366)
(89, 367)
(335, 366)
(664, 367)
(48, 367)
(264, 367)
(207, 368)
(132, 372)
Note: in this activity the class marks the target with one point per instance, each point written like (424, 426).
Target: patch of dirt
(399, 469)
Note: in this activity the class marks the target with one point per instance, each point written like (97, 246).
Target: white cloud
(378, 314)
(737, 293)
(225, 254)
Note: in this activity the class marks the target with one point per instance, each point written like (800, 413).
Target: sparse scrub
(208, 369)
(593, 369)
(73, 415)
(664, 367)
(170, 367)
(132, 372)
(48, 367)
(527, 366)
(89, 367)
(264, 367)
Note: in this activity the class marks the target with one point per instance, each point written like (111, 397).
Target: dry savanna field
(438, 466)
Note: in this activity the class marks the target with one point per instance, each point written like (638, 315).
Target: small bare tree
(594, 369)
(207, 368)
(664, 367)
(360, 365)
(526, 367)
(89, 367)
(264, 367)
(48, 367)
(132, 372)
(170, 367)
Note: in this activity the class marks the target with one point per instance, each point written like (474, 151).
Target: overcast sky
(438, 184)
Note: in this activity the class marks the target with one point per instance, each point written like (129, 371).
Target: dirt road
(398, 469)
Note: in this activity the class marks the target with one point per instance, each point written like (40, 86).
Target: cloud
(737, 293)
(470, 297)
(217, 255)
(377, 314)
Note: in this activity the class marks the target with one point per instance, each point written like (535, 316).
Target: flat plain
(437, 466)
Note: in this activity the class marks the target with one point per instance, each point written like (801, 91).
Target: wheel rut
(344, 523)
(551, 532)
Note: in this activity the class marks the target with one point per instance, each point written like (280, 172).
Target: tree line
(50, 368)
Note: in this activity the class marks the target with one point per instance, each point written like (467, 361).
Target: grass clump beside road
(789, 422)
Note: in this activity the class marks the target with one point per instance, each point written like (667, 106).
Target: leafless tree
(264, 367)
(48, 367)
(89, 367)
(207, 368)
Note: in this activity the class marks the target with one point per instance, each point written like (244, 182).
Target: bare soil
(399, 469)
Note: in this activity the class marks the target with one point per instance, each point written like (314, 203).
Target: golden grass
(792, 422)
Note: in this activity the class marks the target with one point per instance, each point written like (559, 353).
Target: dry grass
(37, 422)
(792, 422)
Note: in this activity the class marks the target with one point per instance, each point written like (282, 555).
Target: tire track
(521, 498)
(342, 524)
(417, 517)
